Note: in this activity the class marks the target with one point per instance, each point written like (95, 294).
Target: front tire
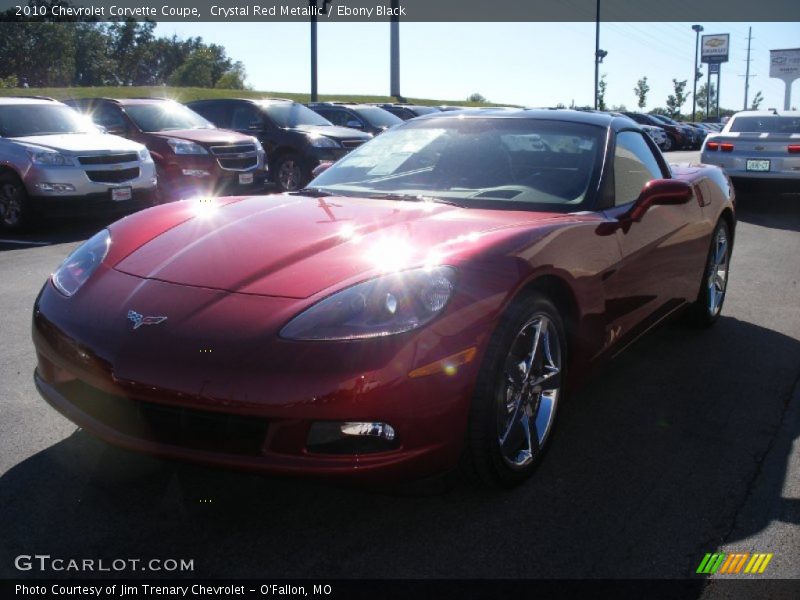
(706, 309)
(519, 388)
(289, 173)
(16, 213)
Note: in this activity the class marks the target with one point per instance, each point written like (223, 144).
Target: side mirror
(660, 191)
(321, 168)
(355, 124)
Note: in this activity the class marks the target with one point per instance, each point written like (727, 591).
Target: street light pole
(697, 29)
(394, 52)
(313, 4)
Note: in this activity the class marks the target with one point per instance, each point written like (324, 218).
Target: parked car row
(109, 155)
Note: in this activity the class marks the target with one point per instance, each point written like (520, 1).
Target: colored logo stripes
(742, 562)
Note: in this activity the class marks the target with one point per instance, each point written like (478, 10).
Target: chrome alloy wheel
(718, 272)
(529, 393)
(289, 175)
(10, 204)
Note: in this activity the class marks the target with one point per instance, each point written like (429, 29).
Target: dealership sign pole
(714, 51)
(785, 65)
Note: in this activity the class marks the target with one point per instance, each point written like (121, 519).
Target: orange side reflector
(447, 365)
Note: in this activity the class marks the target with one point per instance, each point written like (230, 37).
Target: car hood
(295, 246)
(81, 142)
(332, 131)
(205, 136)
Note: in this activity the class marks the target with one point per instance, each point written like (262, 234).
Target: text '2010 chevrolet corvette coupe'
(426, 303)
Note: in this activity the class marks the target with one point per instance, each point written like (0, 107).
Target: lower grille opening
(112, 176)
(238, 163)
(170, 425)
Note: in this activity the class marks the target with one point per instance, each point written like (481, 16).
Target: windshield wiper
(413, 198)
(313, 192)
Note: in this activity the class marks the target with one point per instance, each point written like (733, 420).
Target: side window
(634, 166)
(108, 116)
(245, 116)
(335, 116)
(212, 111)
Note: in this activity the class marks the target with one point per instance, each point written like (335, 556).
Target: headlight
(80, 265)
(259, 147)
(50, 158)
(320, 141)
(386, 305)
(185, 147)
(144, 155)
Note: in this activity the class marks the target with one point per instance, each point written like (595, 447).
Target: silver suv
(55, 162)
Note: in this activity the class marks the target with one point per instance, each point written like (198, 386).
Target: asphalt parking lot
(688, 443)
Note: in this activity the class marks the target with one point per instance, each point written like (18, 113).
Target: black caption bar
(683, 589)
(407, 10)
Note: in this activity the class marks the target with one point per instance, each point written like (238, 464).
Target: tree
(757, 100)
(197, 71)
(677, 99)
(602, 85)
(641, 90)
(233, 79)
(476, 97)
(703, 96)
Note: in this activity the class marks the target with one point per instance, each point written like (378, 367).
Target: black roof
(557, 114)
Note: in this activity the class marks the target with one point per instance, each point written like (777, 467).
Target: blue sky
(533, 64)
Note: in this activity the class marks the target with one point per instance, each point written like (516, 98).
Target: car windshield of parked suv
(292, 114)
(377, 117)
(766, 124)
(483, 162)
(165, 116)
(22, 120)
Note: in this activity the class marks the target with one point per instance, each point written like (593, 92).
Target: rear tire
(16, 212)
(705, 311)
(520, 386)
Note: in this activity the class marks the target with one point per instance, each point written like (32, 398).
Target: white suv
(55, 162)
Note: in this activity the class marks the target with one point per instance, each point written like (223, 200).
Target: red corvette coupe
(426, 303)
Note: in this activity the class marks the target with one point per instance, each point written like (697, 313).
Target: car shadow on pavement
(50, 232)
(650, 464)
(770, 209)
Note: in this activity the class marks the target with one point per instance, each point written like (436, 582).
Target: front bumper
(190, 176)
(266, 392)
(79, 178)
(97, 204)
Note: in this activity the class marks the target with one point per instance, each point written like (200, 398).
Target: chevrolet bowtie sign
(714, 48)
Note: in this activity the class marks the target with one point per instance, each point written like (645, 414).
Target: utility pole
(747, 72)
(394, 52)
(697, 29)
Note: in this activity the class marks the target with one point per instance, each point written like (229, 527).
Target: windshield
(22, 120)
(766, 124)
(165, 116)
(291, 114)
(377, 117)
(484, 162)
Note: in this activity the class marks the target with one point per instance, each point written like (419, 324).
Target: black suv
(295, 138)
(407, 111)
(371, 119)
